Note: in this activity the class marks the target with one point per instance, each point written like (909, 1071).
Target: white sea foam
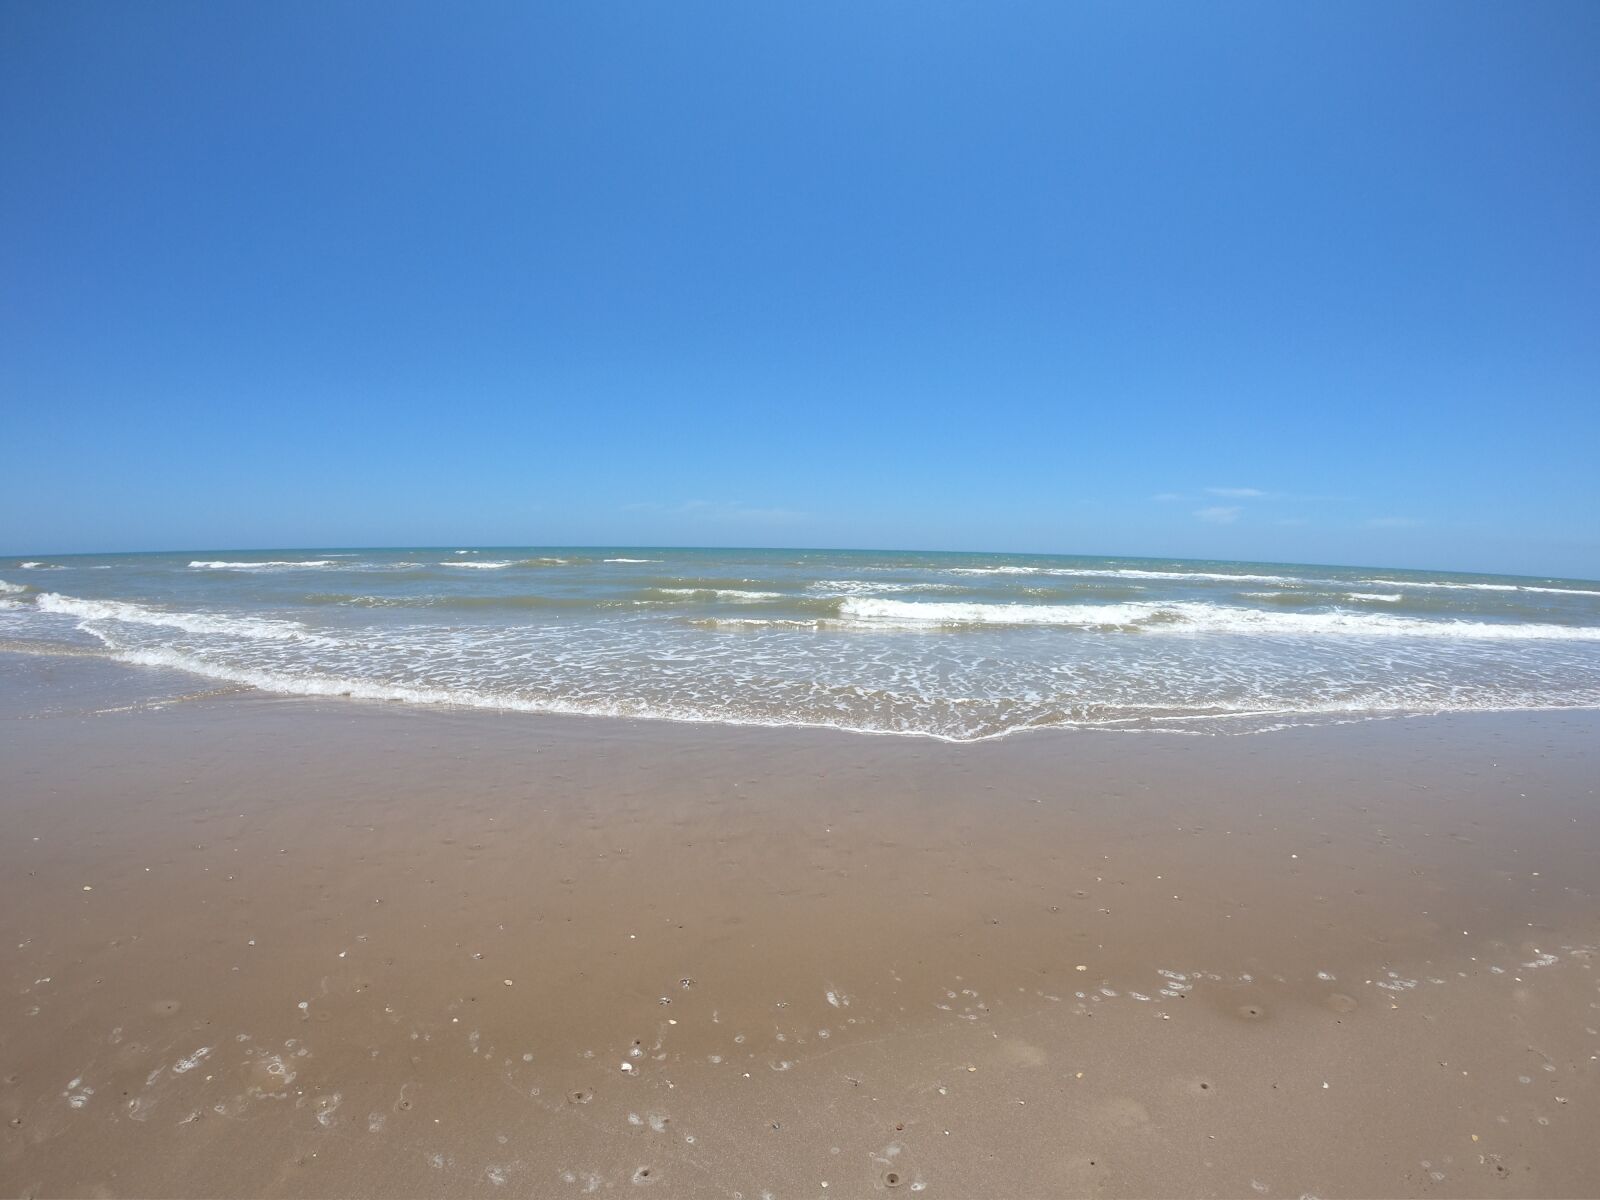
(497, 564)
(950, 613)
(1195, 617)
(974, 728)
(90, 611)
(722, 593)
(870, 587)
(893, 657)
(275, 565)
(373, 689)
(1005, 570)
(766, 623)
(482, 697)
(1205, 576)
(1129, 573)
(1480, 587)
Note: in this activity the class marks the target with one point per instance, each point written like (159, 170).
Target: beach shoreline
(958, 647)
(280, 946)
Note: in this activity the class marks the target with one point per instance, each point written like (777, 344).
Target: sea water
(957, 646)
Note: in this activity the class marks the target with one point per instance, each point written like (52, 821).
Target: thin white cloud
(1219, 514)
(1237, 493)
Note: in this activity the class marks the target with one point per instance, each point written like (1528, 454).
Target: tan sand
(281, 947)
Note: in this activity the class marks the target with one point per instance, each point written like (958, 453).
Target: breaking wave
(1197, 617)
(138, 614)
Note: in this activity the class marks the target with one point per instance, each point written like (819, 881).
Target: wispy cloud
(1227, 493)
(1394, 522)
(1219, 514)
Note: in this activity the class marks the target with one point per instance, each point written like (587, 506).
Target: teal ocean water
(958, 646)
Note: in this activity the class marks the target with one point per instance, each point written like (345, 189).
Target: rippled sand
(286, 947)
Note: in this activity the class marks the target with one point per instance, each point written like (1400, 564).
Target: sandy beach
(266, 946)
(799, 602)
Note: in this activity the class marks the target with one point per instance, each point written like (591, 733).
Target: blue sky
(1273, 281)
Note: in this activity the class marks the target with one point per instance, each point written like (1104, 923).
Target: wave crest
(138, 614)
(1195, 617)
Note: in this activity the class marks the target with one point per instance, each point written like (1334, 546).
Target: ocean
(950, 645)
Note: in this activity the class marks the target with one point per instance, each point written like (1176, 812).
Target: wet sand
(259, 946)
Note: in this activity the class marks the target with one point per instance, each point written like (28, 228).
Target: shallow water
(958, 646)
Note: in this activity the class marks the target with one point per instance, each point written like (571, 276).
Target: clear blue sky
(991, 276)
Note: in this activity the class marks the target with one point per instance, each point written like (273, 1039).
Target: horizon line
(796, 549)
